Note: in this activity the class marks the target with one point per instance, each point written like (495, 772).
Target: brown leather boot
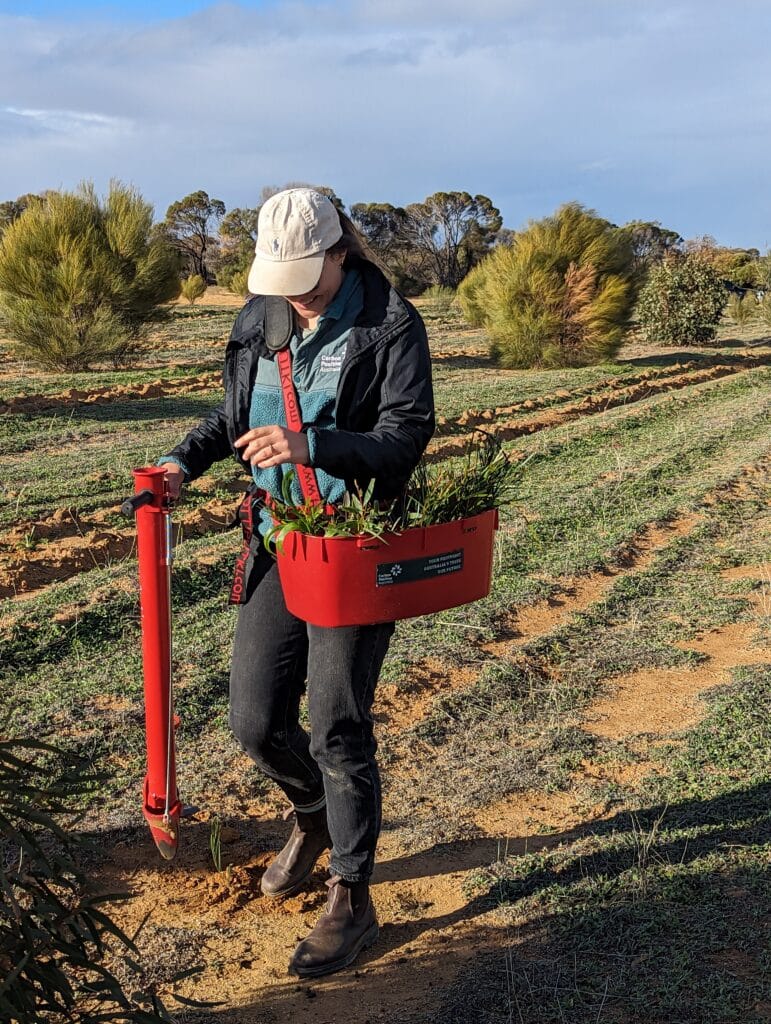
(294, 863)
(347, 926)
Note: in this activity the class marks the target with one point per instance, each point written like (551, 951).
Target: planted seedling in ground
(215, 842)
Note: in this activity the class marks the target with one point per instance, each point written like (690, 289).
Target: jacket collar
(384, 308)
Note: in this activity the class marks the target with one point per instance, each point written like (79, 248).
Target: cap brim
(292, 277)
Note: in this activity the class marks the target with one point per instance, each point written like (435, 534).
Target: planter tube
(161, 805)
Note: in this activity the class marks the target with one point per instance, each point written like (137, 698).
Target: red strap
(238, 588)
(306, 475)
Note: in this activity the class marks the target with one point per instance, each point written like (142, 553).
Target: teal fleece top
(317, 356)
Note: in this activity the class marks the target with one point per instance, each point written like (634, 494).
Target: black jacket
(384, 412)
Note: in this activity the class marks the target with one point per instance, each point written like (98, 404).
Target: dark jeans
(274, 654)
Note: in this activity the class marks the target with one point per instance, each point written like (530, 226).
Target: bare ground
(429, 929)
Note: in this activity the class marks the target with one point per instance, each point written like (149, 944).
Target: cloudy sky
(641, 109)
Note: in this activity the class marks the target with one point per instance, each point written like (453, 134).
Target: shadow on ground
(703, 354)
(652, 916)
(465, 362)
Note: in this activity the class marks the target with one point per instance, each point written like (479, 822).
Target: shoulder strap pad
(279, 322)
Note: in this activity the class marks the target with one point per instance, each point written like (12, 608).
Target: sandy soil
(429, 928)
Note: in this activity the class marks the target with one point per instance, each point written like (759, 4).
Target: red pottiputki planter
(363, 580)
(161, 805)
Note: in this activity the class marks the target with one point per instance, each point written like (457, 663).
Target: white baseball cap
(294, 230)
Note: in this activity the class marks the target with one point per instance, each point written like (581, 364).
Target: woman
(361, 369)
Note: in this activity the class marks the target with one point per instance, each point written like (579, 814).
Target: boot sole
(367, 939)
(290, 890)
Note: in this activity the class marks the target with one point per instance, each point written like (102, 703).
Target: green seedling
(30, 541)
(435, 494)
(215, 842)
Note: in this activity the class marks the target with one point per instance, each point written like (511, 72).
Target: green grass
(568, 517)
(591, 487)
(661, 912)
(625, 920)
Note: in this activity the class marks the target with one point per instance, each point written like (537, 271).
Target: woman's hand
(272, 446)
(175, 477)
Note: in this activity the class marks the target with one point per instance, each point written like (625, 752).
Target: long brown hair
(355, 245)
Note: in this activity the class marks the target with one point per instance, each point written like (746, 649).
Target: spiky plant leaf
(54, 936)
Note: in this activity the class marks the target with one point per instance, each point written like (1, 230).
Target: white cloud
(391, 100)
(72, 121)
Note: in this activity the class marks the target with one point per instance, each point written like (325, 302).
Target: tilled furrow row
(82, 544)
(105, 395)
(592, 404)
(601, 392)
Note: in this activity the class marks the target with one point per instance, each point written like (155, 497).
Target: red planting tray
(361, 580)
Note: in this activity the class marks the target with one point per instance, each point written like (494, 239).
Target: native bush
(439, 299)
(193, 288)
(742, 309)
(682, 301)
(80, 278)
(54, 936)
(560, 295)
(469, 296)
(238, 283)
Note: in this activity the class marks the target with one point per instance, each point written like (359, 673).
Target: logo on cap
(276, 244)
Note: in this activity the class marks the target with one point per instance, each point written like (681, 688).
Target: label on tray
(411, 570)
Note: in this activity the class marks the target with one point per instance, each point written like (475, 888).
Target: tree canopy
(452, 231)
(190, 224)
(238, 235)
(650, 243)
(434, 242)
(384, 227)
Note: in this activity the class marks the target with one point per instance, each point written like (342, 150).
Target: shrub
(439, 299)
(682, 302)
(80, 278)
(238, 283)
(469, 296)
(745, 275)
(193, 288)
(742, 308)
(53, 936)
(560, 295)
